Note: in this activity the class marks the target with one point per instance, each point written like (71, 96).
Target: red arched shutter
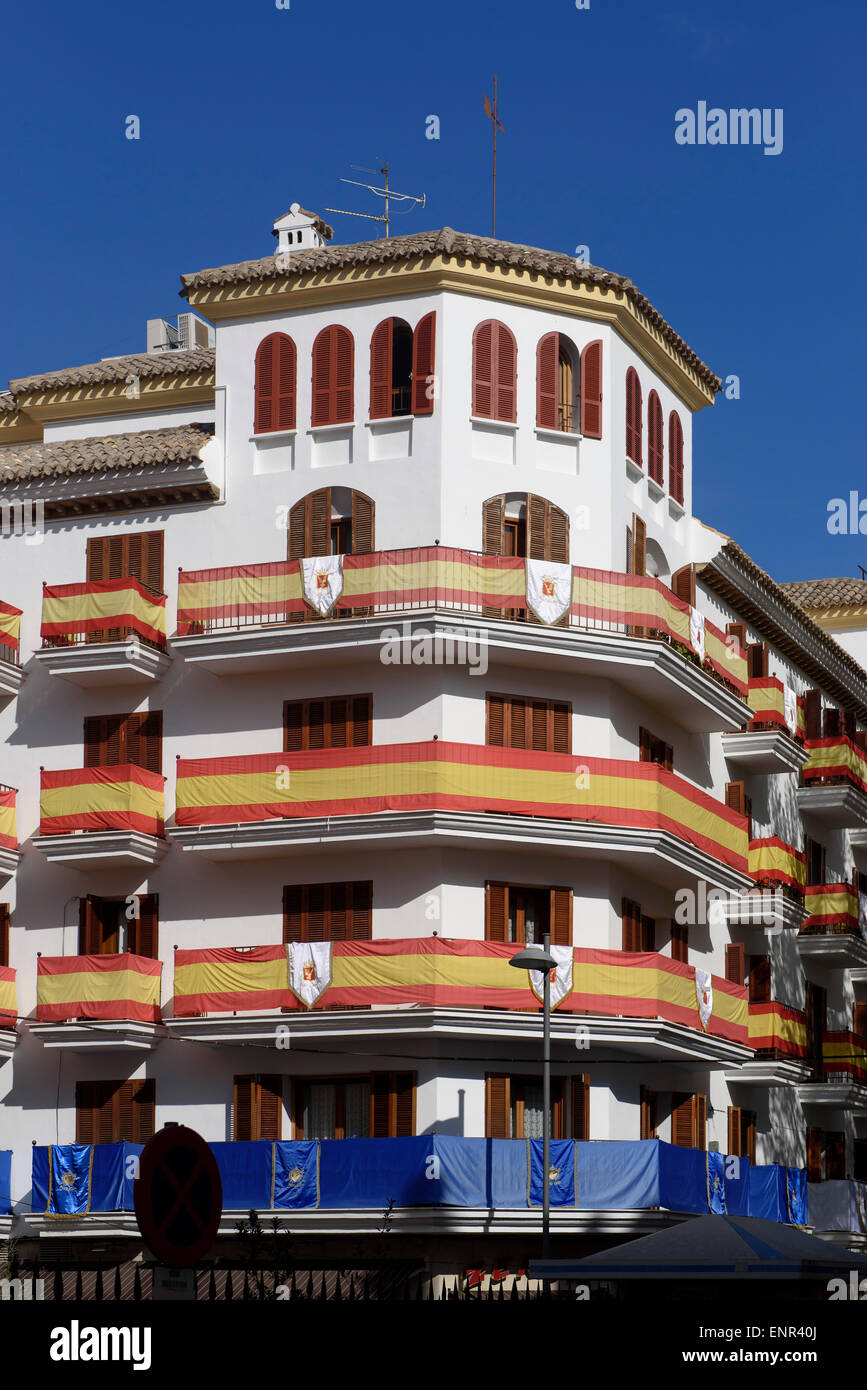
(276, 361)
(591, 390)
(654, 438)
(633, 416)
(483, 369)
(506, 364)
(344, 368)
(333, 366)
(547, 367)
(675, 456)
(423, 360)
(380, 370)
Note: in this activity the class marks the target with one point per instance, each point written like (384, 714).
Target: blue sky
(756, 260)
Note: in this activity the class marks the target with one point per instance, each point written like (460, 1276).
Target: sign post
(178, 1197)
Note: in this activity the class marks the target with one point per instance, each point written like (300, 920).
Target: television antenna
(388, 193)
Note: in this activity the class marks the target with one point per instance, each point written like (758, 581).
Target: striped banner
(73, 610)
(125, 797)
(441, 576)
(10, 630)
(464, 974)
(460, 777)
(771, 860)
(8, 996)
(835, 757)
(845, 1053)
(767, 703)
(119, 986)
(8, 819)
(774, 1026)
(830, 904)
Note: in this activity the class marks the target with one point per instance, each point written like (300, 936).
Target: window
(275, 388)
(654, 750)
(859, 1015)
(138, 556)
(654, 438)
(760, 979)
(519, 721)
(257, 1110)
(812, 714)
(814, 854)
(688, 1120)
(401, 368)
(4, 933)
(675, 457)
(735, 963)
(816, 1010)
(108, 1111)
(680, 942)
(737, 800)
(522, 914)
(377, 1106)
(333, 378)
(527, 525)
(327, 911)
(113, 739)
(318, 526)
(111, 926)
(495, 358)
(638, 931)
(741, 1133)
(340, 721)
(757, 659)
(826, 1154)
(513, 1107)
(633, 417)
(835, 1155)
(557, 375)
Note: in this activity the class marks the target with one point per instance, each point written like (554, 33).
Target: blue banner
(246, 1172)
(5, 1182)
(618, 1175)
(561, 1182)
(296, 1173)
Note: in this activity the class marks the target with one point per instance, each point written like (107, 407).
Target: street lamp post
(535, 957)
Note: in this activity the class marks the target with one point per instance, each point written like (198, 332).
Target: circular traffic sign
(178, 1196)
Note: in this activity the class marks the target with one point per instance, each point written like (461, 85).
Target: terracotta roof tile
(827, 593)
(68, 457)
(7, 401)
(143, 365)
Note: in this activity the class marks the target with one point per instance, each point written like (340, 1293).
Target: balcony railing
(105, 610)
(10, 629)
(778, 1031)
(456, 777)
(844, 1058)
(8, 819)
(463, 581)
(434, 972)
(775, 864)
(8, 997)
(835, 761)
(124, 797)
(775, 706)
(832, 908)
(123, 986)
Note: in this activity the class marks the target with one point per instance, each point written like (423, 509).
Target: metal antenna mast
(387, 193)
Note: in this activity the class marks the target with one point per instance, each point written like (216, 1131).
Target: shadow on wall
(454, 1125)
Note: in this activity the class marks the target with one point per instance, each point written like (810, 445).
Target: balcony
(626, 628)
(105, 632)
(102, 817)
(774, 738)
(834, 783)
(9, 854)
(98, 1003)
(837, 1208)
(458, 794)
(11, 674)
(423, 990)
(831, 935)
(8, 1012)
(779, 1036)
(844, 1074)
(776, 902)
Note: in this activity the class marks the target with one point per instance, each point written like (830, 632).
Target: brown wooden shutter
(380, 1105)
(319, 504)
(381, 370)
(423, 364)
(680, 942)
(739, 631)
(333, 373)
(276, 372)
(269, 1107)
(495, 720)
(547, 381)
(328, 911)
(675, 457)
(496, 912)
(630, 916)
(547, 531)
(293, 912)
(293, 726)
(89, 927)
(493, 526)
(859, 1017)
(760, 980)
(647, 933)
(558, 540)
(103, 740)
(831, 723)
(497, 1107)
(757, 659)
(682, 1120)
(813, 713)
(342, 721)
(735, 964)
(735, 797)
(699, 1109)
(344, 376)
(683, 584)
(814, 1154)
(297, 529)
(648, 1118)
(633, 416)
(654, 437)
(4, 933)
(483, 371)
(145, 934)
(581, 1107)
(143, 1110)
(360, 927)
(362, 524)
(403, 1087)
(639, 544)
(243, 1109)
(561, 916)
(137, 556)
(591, 390)
(143, 734)
(561, 729)
(506, 357)
(835, 1155)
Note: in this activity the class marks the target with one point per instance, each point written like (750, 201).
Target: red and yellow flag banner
(776, 1027)
(10, 630)
(830, 904)
(459, 777)
(124, 797)
(8, 997)
(456, 974)
(394, 581)
(771, 860)
(767, 701)
(72, 611)
(8, 819)
(835, 757)
(844, 1054)
(119, 986)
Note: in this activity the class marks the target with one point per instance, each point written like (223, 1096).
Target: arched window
(401, 368)
(557, 375)
(633, 417)
(675, 457)
(276, 361)
(333, 376)
(520, 523)
(654, 438)
(495, 359)
(331, 521)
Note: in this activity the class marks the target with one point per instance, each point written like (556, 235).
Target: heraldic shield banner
(549, 589)
(322, 581)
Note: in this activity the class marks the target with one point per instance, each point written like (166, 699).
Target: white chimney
(298, 230)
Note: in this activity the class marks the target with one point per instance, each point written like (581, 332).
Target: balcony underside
(858, 841)
(8, 1039)
(8, 863)
(842, 950)
(652, 670)
(768, 912)
(835, 1095)
(417, 1028)
(657, 854)
(102, 849)
(12, 677)
(99, 1035)
(105, 663)
(840, 806)
(764, 751)
(770, 1072)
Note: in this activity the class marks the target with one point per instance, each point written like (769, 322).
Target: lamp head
(533, 957)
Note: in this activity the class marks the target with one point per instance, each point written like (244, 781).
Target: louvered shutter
(735, 798)
(647, 1118)
(143, 1110)
(360, 904)
(483, 371)
(639, 544)
(699, 1110)
(547, 373)
(497, 1107)
(104, 740)
(496, 912)
(859, 1018)
(558, 540)
(679, 943)
(293, 912)
(244, 1126)
(404, 1104)
(493, 526)
(539, 726)
(630, 915)
(496, 721)
(683, 584)
(581, 1107)
(362, 523)
(506, 361)
(654, 438)
(380, 1105)
(537, 528)
(561, 729)
(381, 370)
(286, 379)
(739, 632)
(296, 529)
(647, 933)
(146, 927)
(735, 965)
(518, 723)
(591, 391)
(633, 416)
(320, 522)
(344, 394)
(675, 457)
(333, 370)
(269, 1107)
(263, 416)
(734, 1131)
(813, 714)
(153, 543)
(423, 364)
(337, 922)
(276, 373)
(561, 916)
(318, 903)
(361, 706)
(682, 1121)
(85, 1112)
(293, 726)
(89, 927)
(144, 740)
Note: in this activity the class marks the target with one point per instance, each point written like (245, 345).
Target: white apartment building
(348, 651)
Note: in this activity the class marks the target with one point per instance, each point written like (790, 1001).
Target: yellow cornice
(16, 427)
(840, 618)
(350, 284)
(110, 398)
